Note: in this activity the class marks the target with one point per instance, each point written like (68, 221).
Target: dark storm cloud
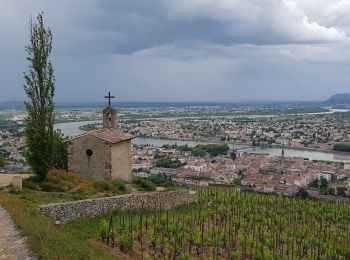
(215, 50)
(133, 25)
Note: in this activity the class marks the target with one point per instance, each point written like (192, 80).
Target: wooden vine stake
(110, 225)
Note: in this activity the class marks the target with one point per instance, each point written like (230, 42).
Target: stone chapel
(103, 153)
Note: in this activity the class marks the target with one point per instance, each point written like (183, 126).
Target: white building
(329, 176)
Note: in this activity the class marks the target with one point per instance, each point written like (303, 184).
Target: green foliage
(314, 183)
(342, 147)
(160, 179)
(102, 185)
(44, 238)
(225, 224)
(47, 186)
(152, 236)
(119, 185)
(241, 171)
(183, 148)
(88, 127)
(103, 229)
(2, 161)
(196, 151)
(169, 163)
(145, 184)
(235, 255)
(15, 191)
(302, 193)
(27, 183)
(51, 184)
(327, 162)
(11, 126)
(212, 149)
(237, 181)
(196, 237)
(70, 183)
(44, 146)
(60, 151)
(325, 187)
(126, 241)
(31, 183)
(323, 184)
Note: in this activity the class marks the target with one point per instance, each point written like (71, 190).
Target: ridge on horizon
(264, 101)
(130, 104)
(59, 104)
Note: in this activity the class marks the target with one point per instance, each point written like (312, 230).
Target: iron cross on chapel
(109, 98)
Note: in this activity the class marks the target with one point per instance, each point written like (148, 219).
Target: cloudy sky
(184, 50)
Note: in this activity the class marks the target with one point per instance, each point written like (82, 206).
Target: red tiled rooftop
(110, 135)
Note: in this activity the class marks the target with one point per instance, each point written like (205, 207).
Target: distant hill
(343, 98)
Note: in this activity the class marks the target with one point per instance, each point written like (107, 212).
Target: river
(72, 129)
(311, 154)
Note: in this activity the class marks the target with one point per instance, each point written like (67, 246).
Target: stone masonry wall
(121, 160)
(97, 166)
(69, 211)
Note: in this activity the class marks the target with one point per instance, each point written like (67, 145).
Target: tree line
(201, 149)
(342, 147)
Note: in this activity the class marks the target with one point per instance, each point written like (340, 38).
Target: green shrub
(47, 186)
(160, 179)
(169, 163)
(30, 184)
(145, 184)
(125, 242)
(103, 229)
(196, 151)
(342, 147)
(33, 178)
(302, 193)
(212, 149)
(237, 182)
(15, 191)
(45, 239)
(102, 185)
(119, 185)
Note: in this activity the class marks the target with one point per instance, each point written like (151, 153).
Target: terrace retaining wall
(68, 211)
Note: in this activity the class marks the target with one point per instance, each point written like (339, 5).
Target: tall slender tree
(40, 89)
(2, 161)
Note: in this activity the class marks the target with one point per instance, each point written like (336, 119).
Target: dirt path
(12, 242)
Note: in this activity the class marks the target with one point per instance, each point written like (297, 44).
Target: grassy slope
(71, 240)
(44, 238)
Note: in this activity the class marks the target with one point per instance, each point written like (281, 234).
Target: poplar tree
(2, 161)
(40, 89)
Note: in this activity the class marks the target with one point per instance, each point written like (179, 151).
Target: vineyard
(225, 224)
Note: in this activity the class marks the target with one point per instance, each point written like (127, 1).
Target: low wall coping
(65, 212)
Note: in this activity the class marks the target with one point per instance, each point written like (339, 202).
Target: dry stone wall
(69, 211)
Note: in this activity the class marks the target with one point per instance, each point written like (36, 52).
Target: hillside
(343, 98)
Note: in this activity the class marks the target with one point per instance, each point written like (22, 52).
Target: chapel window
(89, 152)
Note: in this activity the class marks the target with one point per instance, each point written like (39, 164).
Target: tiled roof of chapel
(110, 135)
